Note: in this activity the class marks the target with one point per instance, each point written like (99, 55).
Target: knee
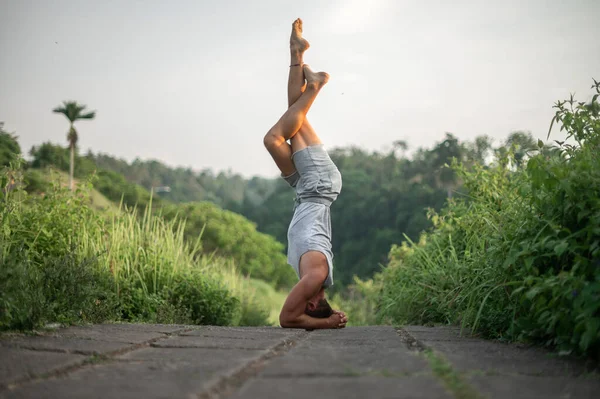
(272, 140)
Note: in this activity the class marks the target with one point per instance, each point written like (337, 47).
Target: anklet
(295, 65)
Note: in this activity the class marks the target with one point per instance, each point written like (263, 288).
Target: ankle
(296, 57)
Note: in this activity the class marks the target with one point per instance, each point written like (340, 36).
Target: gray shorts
(318, 182)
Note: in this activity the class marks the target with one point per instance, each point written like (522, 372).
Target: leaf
(540, 144)
(592, 328)
(561, 248)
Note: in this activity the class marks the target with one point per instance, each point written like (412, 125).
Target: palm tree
(73, 112)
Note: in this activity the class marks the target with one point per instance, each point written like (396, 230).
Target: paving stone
(149, 373)
(504, 358)
(314, 357)
(244, 332)
(109, 332)
(373, 333)
(203, 357)
(18, 363)
(160, 328)
(445, 333)
(356, 350)
(263, 342)
(527, 387)
(66, 344)
(358, 336)
(371, 387)
(468, 354)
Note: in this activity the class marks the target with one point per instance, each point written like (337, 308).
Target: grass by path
(453, 381)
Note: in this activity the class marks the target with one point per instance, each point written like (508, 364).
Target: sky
(197, 83)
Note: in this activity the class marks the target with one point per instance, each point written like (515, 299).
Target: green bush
(233, 236)
(63, 261)
(209, 301)
(9, 147)
(60, 289)
(519, 256)
(114, 187)
(35, 181)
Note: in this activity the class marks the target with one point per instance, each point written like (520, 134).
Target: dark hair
(322, 311)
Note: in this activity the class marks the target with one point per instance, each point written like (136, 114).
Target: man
(307, 167)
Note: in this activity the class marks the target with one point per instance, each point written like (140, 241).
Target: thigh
(305, 137)
(281, 152)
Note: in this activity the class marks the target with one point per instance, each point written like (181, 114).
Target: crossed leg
(293, 125)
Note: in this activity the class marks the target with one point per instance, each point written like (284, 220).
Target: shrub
(233, 236)
(61, 260)
(519, 257)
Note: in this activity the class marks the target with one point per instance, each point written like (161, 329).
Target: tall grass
(519, 256)
(76, 264)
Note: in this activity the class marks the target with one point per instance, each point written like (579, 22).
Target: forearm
(305, 321)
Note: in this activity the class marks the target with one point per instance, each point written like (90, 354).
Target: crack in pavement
(90, 360)
(226, 385)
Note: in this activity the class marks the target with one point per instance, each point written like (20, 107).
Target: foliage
(117, 189)
(225, 189)
(357, 302)
(385, 195)
(48, 154)
(35, 181)
(63, 261)
(9, 147)
(73, 112)
(519, 256)
(40, 277)
(230, 235)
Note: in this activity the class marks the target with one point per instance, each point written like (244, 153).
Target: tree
(73, 112)
(443, 153)
(9, 147)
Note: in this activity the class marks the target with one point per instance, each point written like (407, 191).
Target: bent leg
(292, 120)
(305, 137)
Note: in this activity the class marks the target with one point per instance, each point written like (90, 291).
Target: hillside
(40, 179)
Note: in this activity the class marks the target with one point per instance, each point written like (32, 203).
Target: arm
(292, 314)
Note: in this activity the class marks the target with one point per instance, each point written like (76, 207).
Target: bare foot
(315, 79)
(297, 42)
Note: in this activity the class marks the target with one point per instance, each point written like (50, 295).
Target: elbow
(285, 321)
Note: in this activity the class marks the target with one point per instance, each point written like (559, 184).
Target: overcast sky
(198, 83)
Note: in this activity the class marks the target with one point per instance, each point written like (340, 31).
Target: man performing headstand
(307, 167)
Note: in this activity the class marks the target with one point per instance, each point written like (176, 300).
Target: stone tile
(468, 354)
(371, 387)
(527, 387)
(387, 338)
(445, 333)
(66, 344)
(202, 357)
(504, 358)
(375, 333)
(312, 357)
(159, 328)
(148, 373)
(109, 332)
(264, 342)
(17, 364)
(244, 332)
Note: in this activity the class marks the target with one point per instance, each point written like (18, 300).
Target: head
(318, 306)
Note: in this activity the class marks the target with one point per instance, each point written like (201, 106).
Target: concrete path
(166, 361)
